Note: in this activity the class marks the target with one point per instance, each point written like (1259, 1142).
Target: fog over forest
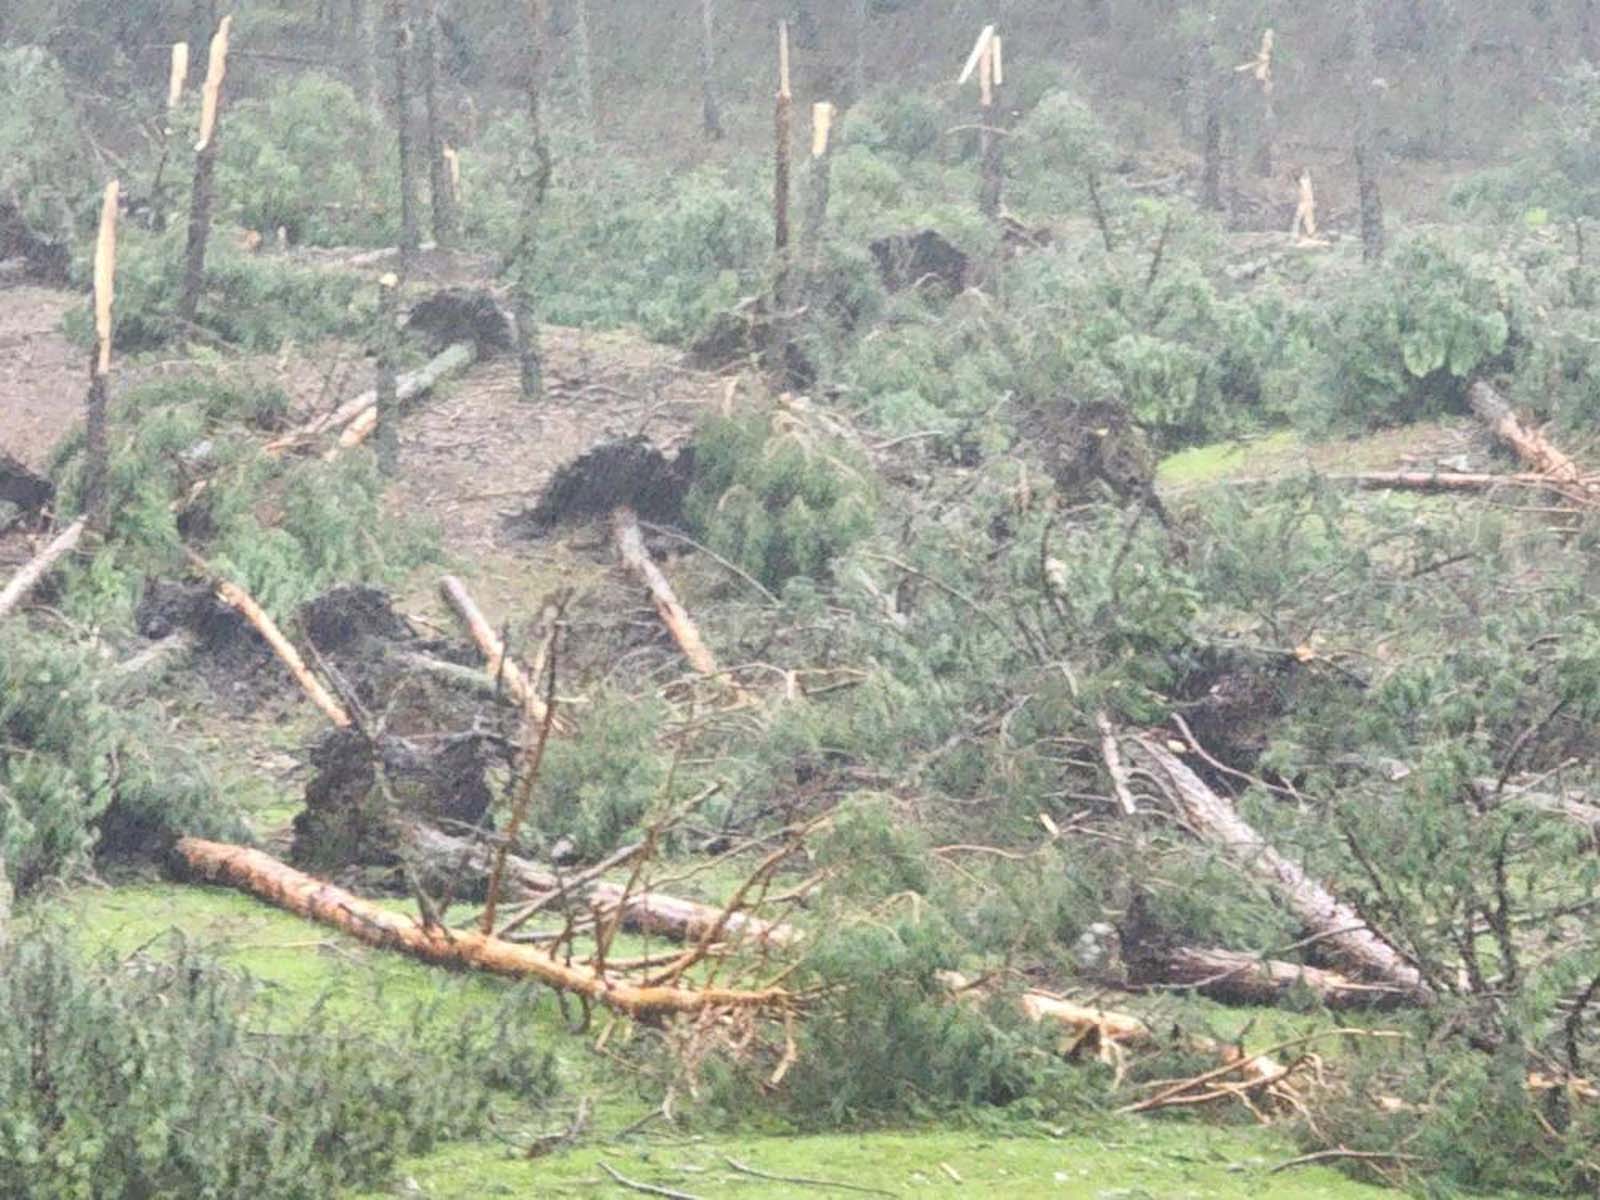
(799, 597)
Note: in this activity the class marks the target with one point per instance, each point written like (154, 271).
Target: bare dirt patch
(42, 374)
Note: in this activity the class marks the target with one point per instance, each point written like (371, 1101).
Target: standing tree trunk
(441, 195)
(781, 139)
(822, 141)
(535, 183)
(386, 439)
(1364, 69)
(711, 114)
(1211, 127)
(362, 53)
(400, 20)
(97, 455)
(205, 166)
(990, 77)
(858, 64)
(583, 63)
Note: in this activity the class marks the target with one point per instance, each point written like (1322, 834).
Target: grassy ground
(299, 964)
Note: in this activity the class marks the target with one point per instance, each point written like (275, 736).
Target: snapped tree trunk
(1531, 446)
(410, 237)
(824, 133)
(710, 111)
(990, 77)
(205, 167)
(363, 42)
(535, 183)
(1341, 931)
(441, 192)
(97, 453)
(262, 875)
(387, 406)
(1365, 72)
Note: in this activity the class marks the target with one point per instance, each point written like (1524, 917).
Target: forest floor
(473, 454)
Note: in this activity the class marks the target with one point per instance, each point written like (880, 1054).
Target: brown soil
(42, 374)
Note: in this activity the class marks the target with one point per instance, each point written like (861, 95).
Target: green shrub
(1405, 341)
(596, 788)
(154, 1076)
(44, 164)
(778, 493)
(83, 776)
(301, 159)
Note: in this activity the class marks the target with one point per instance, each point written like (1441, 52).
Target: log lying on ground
(442, 856)
(236, 598)
(1236, 978)
(1341, 931)
(364, 408)
(1531, 446)
(31, 572)
(630, 546)
(262, 875)
(499, 668)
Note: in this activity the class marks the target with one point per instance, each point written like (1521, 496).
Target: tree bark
(1236, 978)
(386, 410)
(410, 237)
(1531, 446)
(1365, 82)
(439, 856)
(96, 447)
(194, 255)
(537, 182)
(264, 876)
(583, 63)
(353, 414)
(711, 113)
(441, 195)
(1342, 931)
(990, 192)
(630, 547)
(31, 572)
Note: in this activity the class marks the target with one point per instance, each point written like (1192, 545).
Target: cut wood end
(216, 68)
(179, 75)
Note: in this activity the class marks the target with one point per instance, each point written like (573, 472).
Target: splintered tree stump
(264, 876)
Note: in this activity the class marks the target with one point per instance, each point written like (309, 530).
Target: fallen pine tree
(261, 875)
(30, 573)
(1340, 929)
(1532, 447)
(1234, 977)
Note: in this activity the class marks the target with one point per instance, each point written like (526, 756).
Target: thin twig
(1341, 1152)
(648, 1189)
(746, 1169)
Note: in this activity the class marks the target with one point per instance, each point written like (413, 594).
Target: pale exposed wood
(978, 51)
(236, 598)
(497, 666)
(453, 358)
(31, 572)
(1343, 932)
(264, 876)
(821, 123)
(1531, 446)
(630, 546)
(105, 274)
(997, 70)
(1115, 767)
(216, 69)
(179, 74)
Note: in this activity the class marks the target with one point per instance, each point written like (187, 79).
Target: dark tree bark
(711, 113)
(96, 449)
(821, 185)
(199, 233)
(1364, 70)
(386, 438)
(400, 20)
(781, 150)
(534, 186)
(440, 195)
(990, 192)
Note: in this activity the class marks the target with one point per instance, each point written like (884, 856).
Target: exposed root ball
(914, 259)
(630, 471)
(462, 315)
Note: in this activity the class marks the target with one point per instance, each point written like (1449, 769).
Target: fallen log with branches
(30, 573)
(261, 875)
(1532, 447)
(1340, 929)
(442, 856)
(1234, 977)
(357, 417)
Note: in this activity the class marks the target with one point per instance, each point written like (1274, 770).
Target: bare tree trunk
(386, 440)
(362, 44)
(441, 196)
(782, 140)
(1364, 69)
(194, 256)
(1211, 127)
(31, 572)
(1236, 978)
(821, 182)
(989, 140)
(583, 63)
(410, 238)
(96, 450)
(534, 186)
(710, 112)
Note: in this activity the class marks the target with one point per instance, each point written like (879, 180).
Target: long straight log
(630, 546)
(1531, 446)
(1342, 930)
(236, 598)
(442, 854)
(499, 668)
(264, 876)
(31, 572)
(455, 357)
(1237, 978)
